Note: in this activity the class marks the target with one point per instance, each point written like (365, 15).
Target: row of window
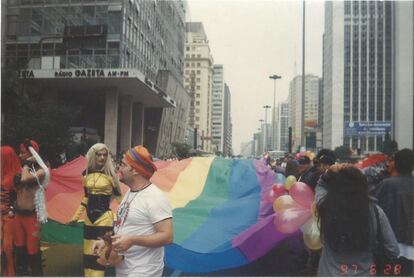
(192, 72)
(36, 21)
(47, 2)
(192, 56)
(192, 65)
(366, 143)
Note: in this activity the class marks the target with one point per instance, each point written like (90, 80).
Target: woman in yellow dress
(100, 183)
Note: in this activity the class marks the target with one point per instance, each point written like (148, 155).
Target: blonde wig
(108, 168)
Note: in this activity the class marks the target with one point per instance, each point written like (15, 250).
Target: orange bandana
(140, 159)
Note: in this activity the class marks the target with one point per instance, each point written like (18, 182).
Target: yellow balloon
(311, 235)
(284, 202)
(289, 182)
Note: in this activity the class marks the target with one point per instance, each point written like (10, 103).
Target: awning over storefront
(126, 81)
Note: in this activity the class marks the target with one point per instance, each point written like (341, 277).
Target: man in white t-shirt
(144, 219)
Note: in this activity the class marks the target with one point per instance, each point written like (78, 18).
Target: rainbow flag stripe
(221, 218)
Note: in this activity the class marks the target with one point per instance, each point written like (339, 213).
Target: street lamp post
(265, 128)
(274, 77)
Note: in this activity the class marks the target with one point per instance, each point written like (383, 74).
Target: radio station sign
(76, 73)
(366, 128)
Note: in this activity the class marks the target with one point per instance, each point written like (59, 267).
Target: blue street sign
(366, 128)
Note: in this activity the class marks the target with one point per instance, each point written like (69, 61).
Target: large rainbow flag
(221, 217)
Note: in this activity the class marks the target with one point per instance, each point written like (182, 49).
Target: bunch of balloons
(293, 203)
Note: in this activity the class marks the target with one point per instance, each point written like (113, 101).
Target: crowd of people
(366, 223)
(359, 211)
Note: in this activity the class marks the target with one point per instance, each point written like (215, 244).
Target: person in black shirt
(321, 163)
(396, 197)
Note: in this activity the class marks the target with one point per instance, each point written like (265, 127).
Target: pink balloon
(270, 197)
(302, 194)
(279, 189)
(290, 220)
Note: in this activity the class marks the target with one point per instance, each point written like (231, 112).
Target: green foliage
(181, 150)
(343, 152)
(28, 114)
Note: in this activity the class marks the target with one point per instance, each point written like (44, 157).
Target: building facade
(102, 54)
(368, 73)
(173, 121)
(282, 127)
(217, 109)
(265, 132)
(311, 110)
(227, 122)
(404, 74)
(198, 81)
(257, 146)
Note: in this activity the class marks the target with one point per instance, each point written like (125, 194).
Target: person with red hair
(30, 211)
(10, 167)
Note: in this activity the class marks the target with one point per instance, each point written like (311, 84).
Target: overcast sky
(254, 39)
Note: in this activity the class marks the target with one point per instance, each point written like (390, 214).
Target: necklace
(123, 209)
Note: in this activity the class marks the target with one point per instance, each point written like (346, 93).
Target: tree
(389, 146)
(182, 150)
(343, 152)
(31, 115)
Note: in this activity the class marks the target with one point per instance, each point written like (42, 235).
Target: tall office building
(198, 81)
(122, 58)
(217, 109)
(311, 110)
(404, 74)
(227, 122)
(282, 127)
(257, 146)
(368, 73)
(265, 132)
